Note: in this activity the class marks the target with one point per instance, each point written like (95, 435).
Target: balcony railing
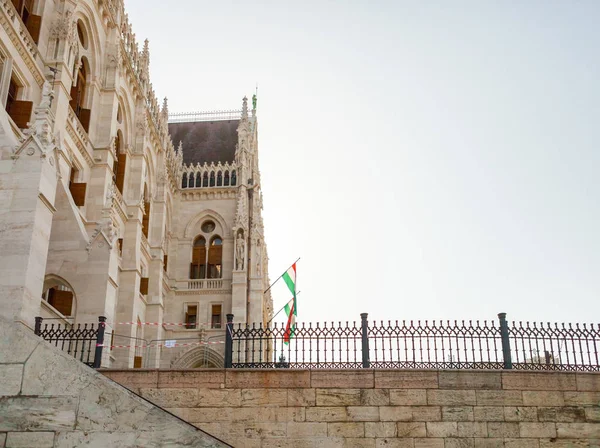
(203, 284)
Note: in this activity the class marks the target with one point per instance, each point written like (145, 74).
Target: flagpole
(280, 310)
(273, 284)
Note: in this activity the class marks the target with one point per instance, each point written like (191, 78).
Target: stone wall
(380, 408)
(49, 399)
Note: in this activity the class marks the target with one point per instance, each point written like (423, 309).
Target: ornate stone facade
(100, 214)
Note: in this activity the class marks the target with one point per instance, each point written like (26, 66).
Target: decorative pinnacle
(165, 107)
(245, 107)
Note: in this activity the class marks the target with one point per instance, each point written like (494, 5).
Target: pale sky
(425, 159)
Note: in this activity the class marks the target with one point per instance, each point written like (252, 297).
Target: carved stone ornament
(240, 252)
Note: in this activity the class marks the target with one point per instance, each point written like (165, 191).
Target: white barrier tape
(161, 345)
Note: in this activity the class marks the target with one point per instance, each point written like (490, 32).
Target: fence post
(366, 363)
(99, 342)
(229, 342)
(505, 341)
(38, 325)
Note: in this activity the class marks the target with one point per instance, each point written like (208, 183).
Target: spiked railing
(416, 345)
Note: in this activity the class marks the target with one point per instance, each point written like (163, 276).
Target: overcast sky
(426, 159)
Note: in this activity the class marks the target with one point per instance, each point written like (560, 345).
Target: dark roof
(206, 141)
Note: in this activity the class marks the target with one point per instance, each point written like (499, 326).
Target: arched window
(78, 95)
(219, 179)
(198, 181)
(212, 178)
(184, 180)
(215, 256)
(119, 163)
(233, 178)
(226, 180)
(146, 217)
(198, 265)
(59, 295)
(205, 180)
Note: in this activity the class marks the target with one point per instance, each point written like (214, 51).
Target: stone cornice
(21, 39)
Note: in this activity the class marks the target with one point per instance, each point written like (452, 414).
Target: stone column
(28, 180)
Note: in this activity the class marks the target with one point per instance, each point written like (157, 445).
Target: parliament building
(109, 205)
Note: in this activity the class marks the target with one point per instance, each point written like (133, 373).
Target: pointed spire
(245, 108)
(165, 108)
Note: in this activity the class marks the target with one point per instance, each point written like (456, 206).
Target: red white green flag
(289, 277)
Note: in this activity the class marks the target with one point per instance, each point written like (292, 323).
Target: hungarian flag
(291, 309)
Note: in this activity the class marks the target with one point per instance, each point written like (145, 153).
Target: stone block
(470, 380)
(539, 381)
(562, 414)
(243, 441)
(256, 379)
(338, 397)
(381, 429)
(472, 429)
(402, 379)
(206, 379)
(459, 443)
(37, 413)
(29, 439)
(226, 397)
(375, 397)
(457, 413)
(542, 398)
(499, 397)
(15, 345)
(426, 413)
(103, 408)
(171, 398)
(520, 414)
(96, 439)
(394, 443)
(521, 443)
(346, 379)
(582, 398)
(306, 429)
(588, 382)
(10, 379)
(503, 429)
(345, 429)
(539, 430)
(411, 429)
(564, 443)
(396, 413)
(363, 413)
(133, 379)
(488, 413)
(578, 430)
(442, 429)
(2, 438)
(592, 414)
(301, 397)
(429, 443)
(49, 372)
(326, 414)
(353, 442)
(315, 442)
(408, 397)
(182, 413)
(265, 430)
(260, 397)
(489, 443)
(208, 415)
(594, 443)
(451, 397)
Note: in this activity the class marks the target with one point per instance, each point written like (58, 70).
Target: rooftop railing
(213, 115)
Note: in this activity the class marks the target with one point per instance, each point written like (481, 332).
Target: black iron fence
(415, 345)
(83, 341)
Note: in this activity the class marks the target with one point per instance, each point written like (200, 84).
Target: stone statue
(254, 101)
(240, 249)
